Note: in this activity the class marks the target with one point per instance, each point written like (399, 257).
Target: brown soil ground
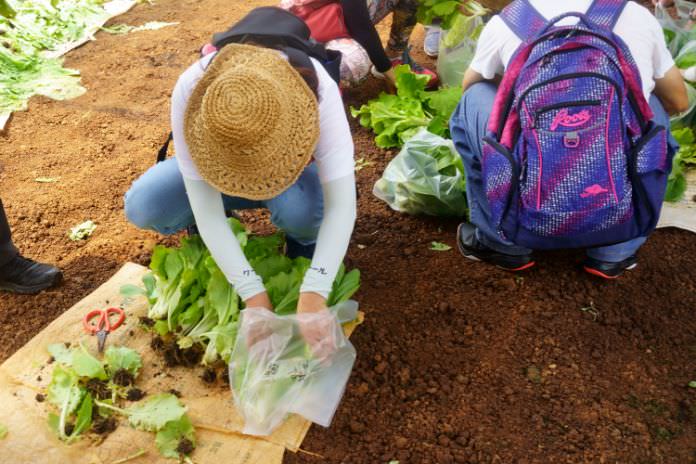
(457, 362)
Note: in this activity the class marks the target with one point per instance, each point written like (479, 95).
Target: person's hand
(260, 300)
(390, 80)
(317, 325)
(255, 325)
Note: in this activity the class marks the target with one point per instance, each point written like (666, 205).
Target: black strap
(162, 153)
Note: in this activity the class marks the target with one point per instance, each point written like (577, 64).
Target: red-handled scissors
(103, 324)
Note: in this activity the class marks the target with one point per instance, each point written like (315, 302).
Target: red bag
(326, 22)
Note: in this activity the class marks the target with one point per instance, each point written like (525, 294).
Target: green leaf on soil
(84, 418)
(170, 436)
(86, 365)
(438, 246)
(61, 353)
(153, 414)
(122, 358)
(63, 391)
(3, 431)
(130, 290)
(692, 384)
(82, 231)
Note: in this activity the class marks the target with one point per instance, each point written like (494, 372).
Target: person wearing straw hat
(253, 131)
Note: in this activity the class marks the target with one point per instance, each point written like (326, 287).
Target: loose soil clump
(104, 425)
(185, 446)
(135, 394)
(209, 375)
(98, 388)
(123, 378)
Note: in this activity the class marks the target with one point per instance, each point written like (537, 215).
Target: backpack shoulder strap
(523, 19)
(606, 13)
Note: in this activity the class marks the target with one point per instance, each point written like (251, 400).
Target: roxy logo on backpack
(572, 158)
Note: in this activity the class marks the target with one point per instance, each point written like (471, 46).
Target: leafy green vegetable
(60, 353)
(191, 299)
(169, 437)
(448, 12)
(86, 365)
(397, 118)
(684, 159)
(6, 10)
(153, 414)
(445, 10)
(82, 231)
(34, 33)
(122, 358)
(65, 393)
(426, 177)
(438, 246)
(84, 418)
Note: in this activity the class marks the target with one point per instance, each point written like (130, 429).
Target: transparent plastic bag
(680, 30)
(275, 372)
(426, 177)
(457, 49)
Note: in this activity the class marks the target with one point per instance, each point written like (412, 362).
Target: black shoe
(607, 270)
(294, 249)
(22, 275)
(472, 249)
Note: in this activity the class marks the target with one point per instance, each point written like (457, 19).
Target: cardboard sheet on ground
(112, 9)
(683, 214)
(217, 423)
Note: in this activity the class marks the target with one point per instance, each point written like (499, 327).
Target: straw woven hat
(252, 123)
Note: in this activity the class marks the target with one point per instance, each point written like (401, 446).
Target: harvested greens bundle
(191, 300)
(427, 177)
(396, 118)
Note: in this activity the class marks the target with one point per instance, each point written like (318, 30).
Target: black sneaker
(473, 249)
(22, 275)
(607, 270)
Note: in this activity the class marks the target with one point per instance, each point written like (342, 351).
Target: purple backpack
(572, 157)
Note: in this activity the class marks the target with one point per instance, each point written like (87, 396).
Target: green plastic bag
(427, 177)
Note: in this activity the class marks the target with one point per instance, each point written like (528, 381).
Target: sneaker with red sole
(415, 67)
(471, 248)
(608, 270)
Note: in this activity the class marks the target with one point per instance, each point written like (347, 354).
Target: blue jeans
(158, 201)
(469, 125)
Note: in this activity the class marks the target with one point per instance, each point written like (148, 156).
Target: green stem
(113, 408)
(142, 452)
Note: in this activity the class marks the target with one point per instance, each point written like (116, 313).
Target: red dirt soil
(457, 362)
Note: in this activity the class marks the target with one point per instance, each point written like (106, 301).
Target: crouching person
(252, 130)
(564, 133)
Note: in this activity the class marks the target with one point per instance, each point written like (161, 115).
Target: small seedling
(692, 384)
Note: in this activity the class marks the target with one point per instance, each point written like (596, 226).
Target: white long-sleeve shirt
(334, 157)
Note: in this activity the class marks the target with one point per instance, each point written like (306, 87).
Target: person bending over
(253, 131)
